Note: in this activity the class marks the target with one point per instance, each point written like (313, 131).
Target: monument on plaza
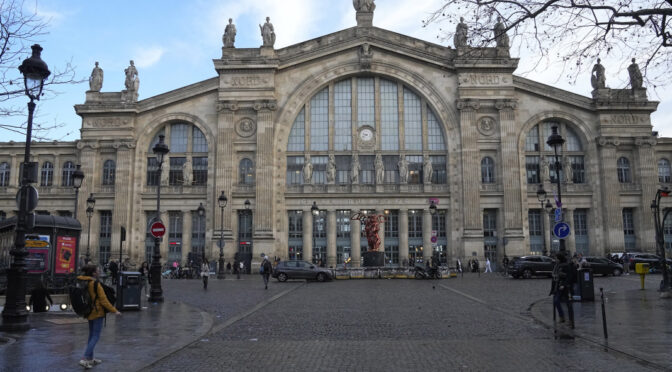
(374, 256)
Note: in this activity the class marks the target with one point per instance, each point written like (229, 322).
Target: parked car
(602, 266)
(529, 266)
(300, 270)
(652, 259)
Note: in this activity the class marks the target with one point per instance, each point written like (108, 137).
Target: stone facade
(241, 122)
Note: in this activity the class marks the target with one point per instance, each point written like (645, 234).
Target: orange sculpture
(372, 227)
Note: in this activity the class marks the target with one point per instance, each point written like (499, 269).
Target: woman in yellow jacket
(100, 305)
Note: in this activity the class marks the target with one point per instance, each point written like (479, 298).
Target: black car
(529, 266)
(652, 259)
(602, 266)
(300, 270)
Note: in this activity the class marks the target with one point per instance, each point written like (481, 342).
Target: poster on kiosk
(65, 254)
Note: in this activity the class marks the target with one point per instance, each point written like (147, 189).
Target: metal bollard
(604, 315)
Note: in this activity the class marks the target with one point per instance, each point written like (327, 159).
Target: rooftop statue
(229, 37)
(635, 75)
(597, 79)
(267, 33)
(96, 79)
(460, 38)
(364, 5)
(501, 37)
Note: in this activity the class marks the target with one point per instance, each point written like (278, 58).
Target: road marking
(463, 294)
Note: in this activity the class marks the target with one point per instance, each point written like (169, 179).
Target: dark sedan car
(602, 266)
(528, 266)
(300, 270)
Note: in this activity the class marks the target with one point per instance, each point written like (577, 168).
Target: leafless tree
(572, 32)
(19, 29)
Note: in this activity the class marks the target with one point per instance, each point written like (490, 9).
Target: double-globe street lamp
(659, 225)
(156, 293)
(90, 203)
(77, 179)
(544, 204)
(14, 314)
(556, 141)
(222, 200)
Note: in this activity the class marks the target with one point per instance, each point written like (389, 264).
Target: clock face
(366, 134)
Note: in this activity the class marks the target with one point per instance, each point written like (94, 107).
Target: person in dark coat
(564, 276)
(114, 270)
(38, 298)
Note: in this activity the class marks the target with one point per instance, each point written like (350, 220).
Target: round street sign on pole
(28, 192)
(158, 229)
(561, 230)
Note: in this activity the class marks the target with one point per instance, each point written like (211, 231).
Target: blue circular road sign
(561, 230)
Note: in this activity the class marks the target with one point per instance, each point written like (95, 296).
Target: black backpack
(109, 293)
(81, 301)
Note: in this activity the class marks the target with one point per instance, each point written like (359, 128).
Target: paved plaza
(471, 323)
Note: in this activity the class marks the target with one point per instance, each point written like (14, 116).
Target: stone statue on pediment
(403, 169)
(380, 169)
(354, 169)
(460, 38)
(307, 171)
(545, 169)
(165, 172)
(187, 173)
(229, 37)
(501, 37)
(635, 75)
(96, 79)
(132, 84)
(597, 78)
(331, 169)
(567, 169)
(364, 5)
(427, 170)
(267, 33)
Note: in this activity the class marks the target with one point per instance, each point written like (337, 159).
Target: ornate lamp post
(660, 237)
(544, 204)
(315, 211)
(432, 212)
(77, 179)
(556, 141)
(156, 293)
(90, 203)
(201, 212)
(222, 200)
(14, 314)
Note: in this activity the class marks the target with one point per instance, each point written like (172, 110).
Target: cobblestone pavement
(470, 323)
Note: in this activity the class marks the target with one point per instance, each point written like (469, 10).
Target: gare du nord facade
(363, 119)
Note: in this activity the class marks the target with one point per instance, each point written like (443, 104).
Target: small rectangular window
(175, 177)
(295, 170)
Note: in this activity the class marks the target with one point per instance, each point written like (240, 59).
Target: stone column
(355, 242)
(164, 241)
(307, 235)
(187, 228)
(122, 201)
(471, 178)
(264, 206)
(426, 235)
(58, 171)
(570, 242)
(513, 190)
(611, 198)
(403, 235)
(331, 238)
(648, 170)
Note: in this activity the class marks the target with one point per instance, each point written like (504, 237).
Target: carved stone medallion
(486, 126)
(246, 127)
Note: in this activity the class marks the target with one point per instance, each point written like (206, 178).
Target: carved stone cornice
(270, 105)
(227, 105)
(468, 104)
(645, 141)
(506, 104)
(92, 144)
(608, 141)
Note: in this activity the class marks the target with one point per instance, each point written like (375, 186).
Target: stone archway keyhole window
(385, 123)
(540, 159)
(187, 162)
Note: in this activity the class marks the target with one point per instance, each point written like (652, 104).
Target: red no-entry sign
(158, 229)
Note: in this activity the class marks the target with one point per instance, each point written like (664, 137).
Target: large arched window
(366, 116)
(47, 178)
(540, 158)
(246, 175)
(664, 171)
(623, 169)
(187, 162)
(68, 169)
(4, 174)
(109, 170)
(487, 170)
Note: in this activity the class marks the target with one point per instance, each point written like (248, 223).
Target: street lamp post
(315, 211)
(660, 237)
(90, 203)
(14, 314)
(201, 212)
(556, 141)
(432, 212)
(544, 204)
(222, 200)
(156, 293)
(77, 178)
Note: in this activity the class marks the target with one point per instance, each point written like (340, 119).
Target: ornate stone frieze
(506, 104)
(246, 127)
(227, 105)
(271, 105)
(627, 119)
(486, 126)
(246, 81)
(106, 122)
(468, 104)
(645, 141)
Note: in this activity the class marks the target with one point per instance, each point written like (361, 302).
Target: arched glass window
(399, 120)
(186, 142)
(47, 178)
(246, 172)
(540, 158)
(623, 168)
(68, 169)
(664, 171)
(4, 174)
(109, 169)
(487, 170)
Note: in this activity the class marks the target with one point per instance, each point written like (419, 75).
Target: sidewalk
(639, 323)
(56, 340)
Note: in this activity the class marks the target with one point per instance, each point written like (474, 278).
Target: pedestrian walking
(114, 270)
(144, 277)
(100, 305)
(488, 267)
(625, 260)
(205, 272)
(459, 265)
(505, 265)
(228, 267)
(265, 269)
(38, 298)
(564, 276)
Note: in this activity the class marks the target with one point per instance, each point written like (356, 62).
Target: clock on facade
(366, 134)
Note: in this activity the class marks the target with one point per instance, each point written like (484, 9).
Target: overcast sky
(173, 44)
